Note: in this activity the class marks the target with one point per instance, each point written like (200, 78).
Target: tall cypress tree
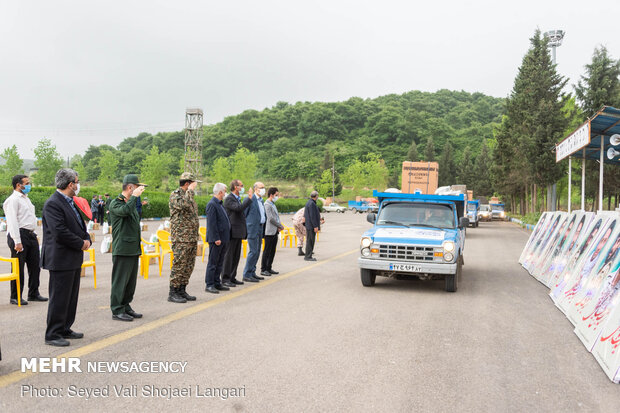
(534, 123)
(601, 83)
(466, 169)
(412, 153)
(429, 151)
(482, 185)
(447, 166)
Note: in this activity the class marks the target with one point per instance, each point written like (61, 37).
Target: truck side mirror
(463, 222)
(371, 217)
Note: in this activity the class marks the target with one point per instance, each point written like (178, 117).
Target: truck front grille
(408, 253)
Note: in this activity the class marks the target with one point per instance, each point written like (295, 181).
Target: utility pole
(555, 40)
(333, 178)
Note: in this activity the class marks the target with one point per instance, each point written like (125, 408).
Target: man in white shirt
(21, 238)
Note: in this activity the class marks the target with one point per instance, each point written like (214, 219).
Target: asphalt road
(313, 339)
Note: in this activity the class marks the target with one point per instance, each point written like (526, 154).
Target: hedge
(156, 208)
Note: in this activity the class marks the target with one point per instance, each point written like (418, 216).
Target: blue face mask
(241, 191)
(26, 189)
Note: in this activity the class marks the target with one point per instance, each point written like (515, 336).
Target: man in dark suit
(218, 236)
(234, 208)
(312, 216)
(255, 219)
(65, 239)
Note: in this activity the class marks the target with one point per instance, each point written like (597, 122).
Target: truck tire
(368, 277)
(477, 224)
(452, 279)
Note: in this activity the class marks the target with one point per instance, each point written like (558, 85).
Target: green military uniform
(183, 235)
(126, 251)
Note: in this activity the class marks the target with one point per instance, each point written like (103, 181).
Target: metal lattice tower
(193, 141)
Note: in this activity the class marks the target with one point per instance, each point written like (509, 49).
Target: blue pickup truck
(473, 207)
(362, 206)
(415, 235)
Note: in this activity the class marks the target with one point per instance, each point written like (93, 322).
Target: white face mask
(241, 191)
(77, 191)
(261, 192)
(275, 198)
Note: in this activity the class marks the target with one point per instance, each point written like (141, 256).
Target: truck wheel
(477, 224)
(452, 279)
(368, 277)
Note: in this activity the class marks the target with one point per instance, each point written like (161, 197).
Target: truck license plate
(405, 267)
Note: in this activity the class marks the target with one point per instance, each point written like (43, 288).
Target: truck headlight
(366, 252)
(448, 246)
(448, 256)
(366, 242)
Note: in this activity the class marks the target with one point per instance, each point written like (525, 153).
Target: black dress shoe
(250, 280)
(59, 342)
(73, 335)
(258, 277)
(212, 290)
(38, 297)
(133, 314)
(237, 282)
(310, 259)
(122, 317)
(220, 287)
(229, 284)
(274, 272)
(14, 301)
(265, 273)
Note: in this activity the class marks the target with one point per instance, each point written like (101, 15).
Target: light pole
(555, 38)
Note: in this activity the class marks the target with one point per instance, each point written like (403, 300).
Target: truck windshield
(471, 207)
(497, 207)
(412, 214)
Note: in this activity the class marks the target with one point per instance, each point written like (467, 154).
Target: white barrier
(578, 257)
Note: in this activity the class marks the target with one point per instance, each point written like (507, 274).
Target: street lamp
(555, 38)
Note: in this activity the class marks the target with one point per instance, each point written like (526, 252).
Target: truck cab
(473, 207)
(415, 235)
(497, 211)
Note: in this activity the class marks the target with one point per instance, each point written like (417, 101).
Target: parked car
(334, 207)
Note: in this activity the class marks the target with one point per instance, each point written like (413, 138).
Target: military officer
(184, 237)
(126, 250)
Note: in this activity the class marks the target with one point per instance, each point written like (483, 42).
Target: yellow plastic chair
(91, 263)
(145, 258)
(205, 244)
(13, 275)
(288, 235)
(165, 245)
(244, 246)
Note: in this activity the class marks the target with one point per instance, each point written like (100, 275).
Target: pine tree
(447, 166)
(412, 153)
(466, 169)
(429, 151)
(601, 83)
(482, 185)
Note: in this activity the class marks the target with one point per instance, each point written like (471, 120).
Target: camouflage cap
(188, 176)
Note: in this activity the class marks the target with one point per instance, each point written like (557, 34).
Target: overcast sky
(94, 72)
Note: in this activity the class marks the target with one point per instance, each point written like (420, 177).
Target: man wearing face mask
(238, 231)
(22, 240)
(126, 249)
(255, 219)
(65, 239)
(272, 228)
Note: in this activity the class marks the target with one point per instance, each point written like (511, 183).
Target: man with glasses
(65, 239)
(255, 218)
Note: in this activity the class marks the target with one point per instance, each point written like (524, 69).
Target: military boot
(185, 295)
(300, 252)
(175, 297)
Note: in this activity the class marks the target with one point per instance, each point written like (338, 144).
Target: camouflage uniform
(300, 227)
(183, 235)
